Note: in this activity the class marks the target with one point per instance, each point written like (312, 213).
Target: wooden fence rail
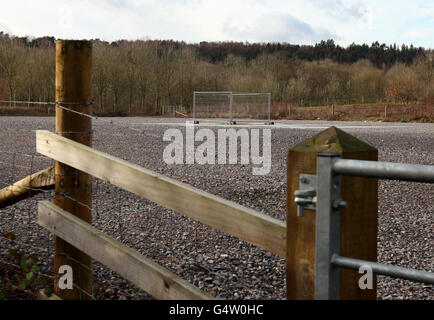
(143, 272)
(244, 223)
(219, 213)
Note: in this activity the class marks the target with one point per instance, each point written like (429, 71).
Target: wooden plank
(244, 223)
(358, 221)
(27, 187)
(143, 272)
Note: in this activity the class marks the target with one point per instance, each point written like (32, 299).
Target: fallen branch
(27, 187)
(181, 114)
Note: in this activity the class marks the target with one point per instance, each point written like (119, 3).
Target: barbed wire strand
(120, 223)
(62, 106)
(65, 195)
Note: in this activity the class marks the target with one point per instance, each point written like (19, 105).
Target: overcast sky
(293, 21)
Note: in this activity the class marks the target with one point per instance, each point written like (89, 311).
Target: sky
(193, 21)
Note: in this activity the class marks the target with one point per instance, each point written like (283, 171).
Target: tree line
(379, 54)
(144, 77)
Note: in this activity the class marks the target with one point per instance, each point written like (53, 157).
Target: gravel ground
(220, 264)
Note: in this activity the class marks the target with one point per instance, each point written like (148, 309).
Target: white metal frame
(230, 108)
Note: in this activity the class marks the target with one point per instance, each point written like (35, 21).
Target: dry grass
(32, 111)
(356, 112)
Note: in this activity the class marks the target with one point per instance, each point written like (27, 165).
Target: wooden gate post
(73, 187)
(358, 221)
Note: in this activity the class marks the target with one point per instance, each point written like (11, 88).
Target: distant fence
(383, 112)
(374, 112)
(26, 108)
(174, 111)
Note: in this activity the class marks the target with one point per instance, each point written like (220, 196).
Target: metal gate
(323, 194)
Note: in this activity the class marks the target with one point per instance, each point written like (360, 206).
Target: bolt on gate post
(73, 187)
(358, 232)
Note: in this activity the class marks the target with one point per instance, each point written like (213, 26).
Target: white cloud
(342, 10)
(294, 21)
(419, 34)
(5, 29)
(275, 27)
(427, 10)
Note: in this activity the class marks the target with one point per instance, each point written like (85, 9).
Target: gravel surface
(218, 263)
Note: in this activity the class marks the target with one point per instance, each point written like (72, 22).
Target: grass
(356, 112)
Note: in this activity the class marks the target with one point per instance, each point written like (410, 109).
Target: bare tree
(12, 54)
(100, 76)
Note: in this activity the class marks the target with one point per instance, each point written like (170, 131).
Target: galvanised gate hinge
(306, 196)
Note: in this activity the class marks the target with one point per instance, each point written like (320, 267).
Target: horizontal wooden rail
(227, 216)
(143, 272)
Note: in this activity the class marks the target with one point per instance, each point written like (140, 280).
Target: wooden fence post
(73, 187)
(358, 221)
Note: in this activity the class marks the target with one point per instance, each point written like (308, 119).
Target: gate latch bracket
(305, 197)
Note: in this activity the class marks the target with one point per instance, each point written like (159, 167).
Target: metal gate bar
(384, 170)
(327, 227)
(384, 269)
(328, 203)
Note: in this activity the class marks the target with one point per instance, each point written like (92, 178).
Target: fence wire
(21, 218)
(20, 232)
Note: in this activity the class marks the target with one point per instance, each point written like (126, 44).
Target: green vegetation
(20, 273)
